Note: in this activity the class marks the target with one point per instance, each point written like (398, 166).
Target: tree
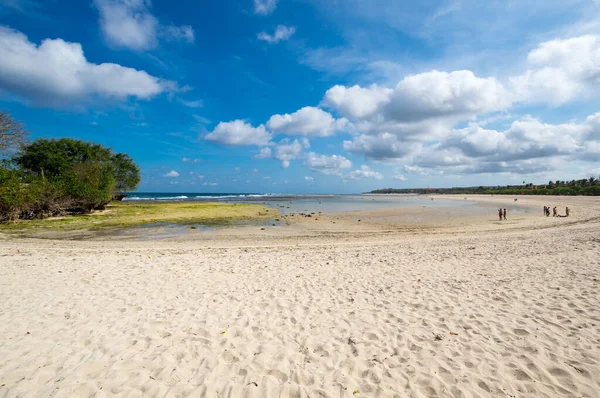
(53, 158)
(127, 174)
(12, 133)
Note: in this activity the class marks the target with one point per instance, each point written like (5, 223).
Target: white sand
(477, 308)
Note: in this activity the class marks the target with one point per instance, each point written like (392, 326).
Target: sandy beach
(410, 302)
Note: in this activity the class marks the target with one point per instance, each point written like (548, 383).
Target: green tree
(90, 184)
(126, 172)
(52, 158)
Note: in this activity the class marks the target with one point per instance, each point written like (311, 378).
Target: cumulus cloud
(400, 177)
(560, 70)
(171, 174)
(56, 73)
(131, 24)
(309, 179)
(528, 145)
(239, 132)
(264, 7)
(416, 121)
(330, 165)
(265, 153)
(357, 102)
(441, 94)
(364, 172)
(286, 151)
(379, 146)
(281, 33)
(308, 121)
(387, 123)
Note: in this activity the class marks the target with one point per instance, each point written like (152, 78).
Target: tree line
(55, 177)
(587, 187)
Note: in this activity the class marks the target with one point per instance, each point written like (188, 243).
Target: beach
(409, 302)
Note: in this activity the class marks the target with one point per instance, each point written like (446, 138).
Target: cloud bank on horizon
(359, 94)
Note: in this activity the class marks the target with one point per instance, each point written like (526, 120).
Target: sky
(313, 96)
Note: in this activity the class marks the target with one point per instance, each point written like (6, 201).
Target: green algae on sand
(126, 214)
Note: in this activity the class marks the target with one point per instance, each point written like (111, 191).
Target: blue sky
(307, 96)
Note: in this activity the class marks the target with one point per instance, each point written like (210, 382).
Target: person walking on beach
(554, 212)
(545, 210)
(504, 214)
(500, 214)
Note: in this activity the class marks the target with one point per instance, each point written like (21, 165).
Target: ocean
(290, 203)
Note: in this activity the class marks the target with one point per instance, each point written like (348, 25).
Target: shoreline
(478, 215)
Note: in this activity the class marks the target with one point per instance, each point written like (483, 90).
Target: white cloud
(400, 177)
(131, 24)
(178, 33)
(189, 160)
(430, 96)
(364, 172)
(357, 102)
(561, 70)
(309, 179)
(387, 122)
(191, 104)
(440, 94)
(56, 73)
(281, 33)
(330, 165)
(264, 153)
(201, 120)
(171, 174)
(286, 151)
(264, 7)
(239, 132)
(379, 146)
(308, 121)
(527, 146)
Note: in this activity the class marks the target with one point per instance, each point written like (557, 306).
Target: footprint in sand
(282, 377)
(173, 379)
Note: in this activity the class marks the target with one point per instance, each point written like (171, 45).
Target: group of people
(555, 212)
(502, 214)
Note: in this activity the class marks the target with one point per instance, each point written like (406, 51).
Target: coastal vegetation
(56, 177)
(127, 214)
(58, 184)
(586, 187)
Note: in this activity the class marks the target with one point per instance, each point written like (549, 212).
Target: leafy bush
(51, 159)
(90, 184)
